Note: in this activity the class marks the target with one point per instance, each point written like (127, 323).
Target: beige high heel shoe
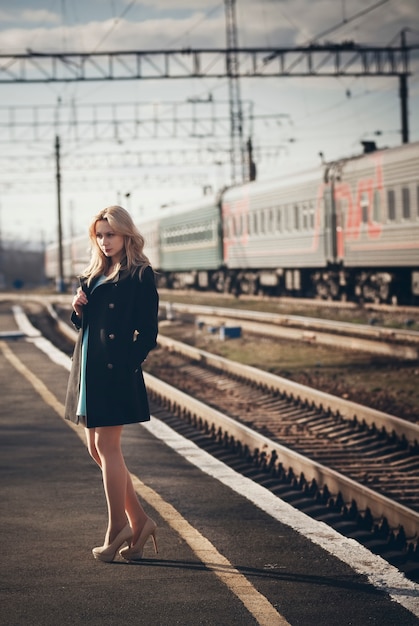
(135, 553)
(107, 553)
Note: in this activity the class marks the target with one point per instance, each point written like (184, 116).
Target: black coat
(122, 319)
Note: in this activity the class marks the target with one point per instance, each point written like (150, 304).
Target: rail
(380, 506)
(397, 343)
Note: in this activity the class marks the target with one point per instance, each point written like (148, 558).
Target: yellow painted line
(256, 603)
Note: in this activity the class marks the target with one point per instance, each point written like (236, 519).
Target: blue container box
(230, 332)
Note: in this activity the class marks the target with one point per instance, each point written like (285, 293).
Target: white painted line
(381, 574)
(23, 323)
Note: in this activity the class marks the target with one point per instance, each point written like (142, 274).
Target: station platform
(225, 557)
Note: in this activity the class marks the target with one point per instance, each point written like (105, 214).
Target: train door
(330, 224)
(343, 209)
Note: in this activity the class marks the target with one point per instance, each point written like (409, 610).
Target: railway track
(351, 467)
(348, 465)
(300, 303)
(385, 341)
(395, 343)
(349, 438)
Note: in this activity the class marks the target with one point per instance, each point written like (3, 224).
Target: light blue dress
(81, 407)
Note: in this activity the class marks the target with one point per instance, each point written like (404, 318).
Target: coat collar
(120, 276)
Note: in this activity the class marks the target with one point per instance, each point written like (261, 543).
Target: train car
(275, 235)
(375, 200)
(191, 245)
(347, 230)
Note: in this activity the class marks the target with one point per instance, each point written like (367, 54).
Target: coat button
(111, 336)
(111, 305)
(110, 366)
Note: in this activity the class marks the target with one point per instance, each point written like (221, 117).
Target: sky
(106, 160)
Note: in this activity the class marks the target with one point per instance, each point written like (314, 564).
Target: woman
(116, 309)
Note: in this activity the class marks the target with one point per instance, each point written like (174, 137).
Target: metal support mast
(60, 280)
(238, 170)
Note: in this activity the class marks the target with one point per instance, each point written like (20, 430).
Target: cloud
(39, 15)
(178, 5)
(377, 27)
(150, 34)
(264, 23)
(31, 16)
(146, 35)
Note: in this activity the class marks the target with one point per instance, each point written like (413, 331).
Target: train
(345, 230)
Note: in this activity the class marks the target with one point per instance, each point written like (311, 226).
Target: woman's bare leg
(135, 512)
(91, 446)
(133, 509)
(108, 446)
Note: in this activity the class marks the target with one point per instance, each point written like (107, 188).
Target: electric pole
(237, 156)
(60, 278)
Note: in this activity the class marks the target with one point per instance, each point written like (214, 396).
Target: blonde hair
(120, 221)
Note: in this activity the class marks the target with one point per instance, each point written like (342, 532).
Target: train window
(255, 224)
(246, 223)
(249, 224)
(311, 215)
(285, 217)
(287, 225)
(376, 209)
(232, 227)
(278, 219)
(238, 225)
(305, 217)
(262, 223)
(270, 224)
(364, 206)
(239, 222)
(391, 205)
(296, 217)
(406, 203)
